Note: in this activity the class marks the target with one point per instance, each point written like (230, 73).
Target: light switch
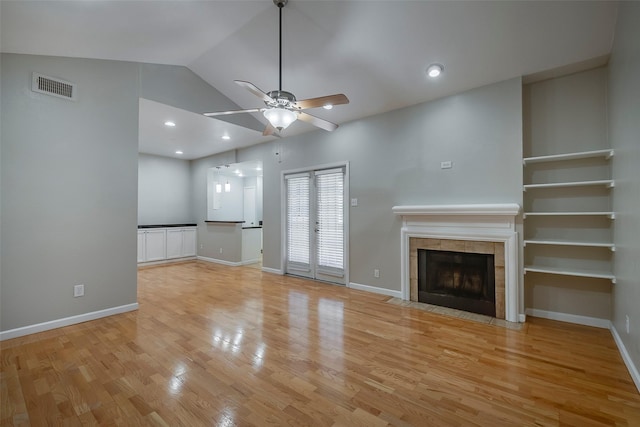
(354, 202)
(446, 165)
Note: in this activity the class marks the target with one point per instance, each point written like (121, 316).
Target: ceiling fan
(281, 107)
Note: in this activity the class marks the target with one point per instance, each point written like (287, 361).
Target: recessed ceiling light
(226, 137)
(179, 152)
(435, 70)
(327, 107)
(169, 123)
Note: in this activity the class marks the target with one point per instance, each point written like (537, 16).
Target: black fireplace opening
(464, 281)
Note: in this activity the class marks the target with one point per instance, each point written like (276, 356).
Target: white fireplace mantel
(504, 209)
(477, 222)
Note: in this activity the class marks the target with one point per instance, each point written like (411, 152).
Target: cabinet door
(140, 246)
(174, 243)
(189, 242)
(155, 245)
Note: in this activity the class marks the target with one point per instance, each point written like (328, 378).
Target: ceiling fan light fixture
(327, 106)
(280, 118)
(435, 70)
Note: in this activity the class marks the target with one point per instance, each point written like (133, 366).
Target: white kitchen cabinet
(174, 243)
(154, 244)
(189, 242)
(160, 244)
(181, 242)
(141, 245)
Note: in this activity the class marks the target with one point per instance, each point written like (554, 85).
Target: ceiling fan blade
(255, 90)
(225, 113)
(321, 101)
(270, 130)
(317, 121)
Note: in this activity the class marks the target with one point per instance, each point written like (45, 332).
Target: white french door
(315, 224)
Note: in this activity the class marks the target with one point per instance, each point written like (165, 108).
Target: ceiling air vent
(53, 86)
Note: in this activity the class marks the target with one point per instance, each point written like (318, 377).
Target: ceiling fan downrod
(280, 4)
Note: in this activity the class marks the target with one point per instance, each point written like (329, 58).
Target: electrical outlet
(220, 250)
(446, 165)
(78, 291)
(627, 324)
(354, 202)
(201, 246)
(376, 273)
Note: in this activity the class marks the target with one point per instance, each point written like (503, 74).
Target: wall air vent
(53, 86)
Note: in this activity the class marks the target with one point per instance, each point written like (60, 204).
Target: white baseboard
(59, 323)
(375, 290)
(219, 261)
(272, 270)
(250, 261)
(633, 371)
(165, 261)
(570, 318)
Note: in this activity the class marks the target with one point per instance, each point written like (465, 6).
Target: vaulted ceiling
(375, 52)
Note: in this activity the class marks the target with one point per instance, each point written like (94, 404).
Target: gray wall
(230, 204)
(624, 134)
(69, 189)
(69, 176)
(164, 190)
(565, 115)
(212, 237)
(395, 160)
(181, 88)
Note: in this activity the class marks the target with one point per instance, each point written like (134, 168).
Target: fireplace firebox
(460, 280)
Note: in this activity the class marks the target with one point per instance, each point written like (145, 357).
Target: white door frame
(283, 212)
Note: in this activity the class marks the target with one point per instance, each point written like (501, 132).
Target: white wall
(624, 134)
(69, 189)
(164, 190)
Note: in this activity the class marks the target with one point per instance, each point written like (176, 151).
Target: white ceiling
(194, 134)
(375, 52)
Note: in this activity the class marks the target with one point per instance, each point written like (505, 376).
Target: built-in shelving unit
(610, 215)
(571, 272)
(608, 183)
(560, 163)
(570, 243)
(607, 154)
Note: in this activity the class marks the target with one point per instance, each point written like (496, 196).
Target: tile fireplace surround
(480, 228)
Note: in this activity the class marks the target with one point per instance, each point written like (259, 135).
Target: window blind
(298, 210)
(330, 220)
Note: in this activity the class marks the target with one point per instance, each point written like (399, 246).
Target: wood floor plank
(219, 345)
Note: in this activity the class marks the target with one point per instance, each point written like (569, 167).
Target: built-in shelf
(571, 272)
(569, 243)
(610, 215)
(609, 183)
(607, 154)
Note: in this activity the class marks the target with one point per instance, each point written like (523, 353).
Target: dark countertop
(166, 225)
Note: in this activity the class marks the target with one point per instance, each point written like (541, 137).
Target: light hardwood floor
(218, 345)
